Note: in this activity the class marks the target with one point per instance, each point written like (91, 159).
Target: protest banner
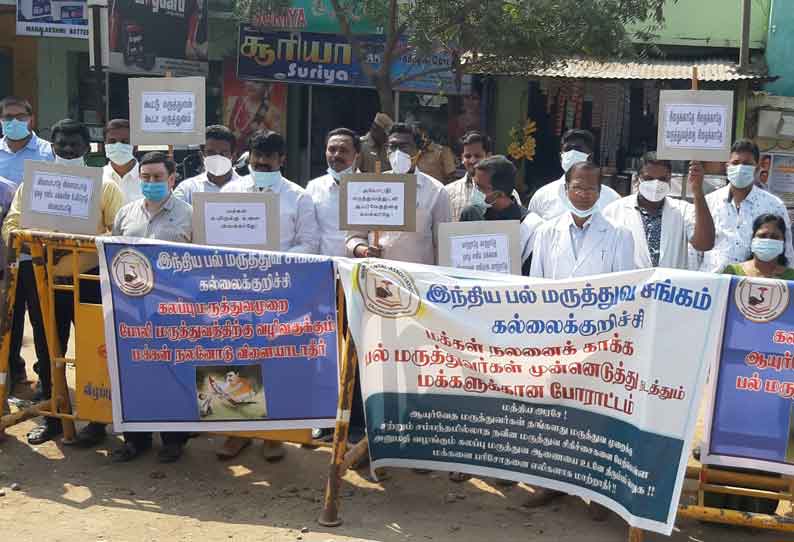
(490, 246)
(52, 18)
(327, 59)
(564, 385)
(210, 339)
(695, 125)
(62, 198)
(749, 421)
(167, 111)
(377, 202)
(155, 38)
(237, 220)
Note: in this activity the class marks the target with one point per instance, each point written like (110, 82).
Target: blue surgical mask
(741, 175)
(767, 250)
(266, 180)
(70, 161)
(155, 191)
(477, 199)
(119, 153)
(15, 130)
(578, 212)
(337, 175)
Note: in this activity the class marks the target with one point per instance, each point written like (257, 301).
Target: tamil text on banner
(211, 339)
(155, 37)
(589, 386)
(751, 414)
(327, 59)
(52, 18)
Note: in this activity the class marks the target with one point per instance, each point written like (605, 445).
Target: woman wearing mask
(768, 247)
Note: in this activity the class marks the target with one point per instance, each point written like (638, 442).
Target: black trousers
(143, 440)
(28, 298)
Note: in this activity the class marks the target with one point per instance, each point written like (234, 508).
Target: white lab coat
(678, 227)
(606, 249)
(549, 200)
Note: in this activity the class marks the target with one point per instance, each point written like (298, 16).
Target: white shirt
(298, 223)
(603, 248)
(130, 184)
(459, 194)
(529, 228)
(432, 208)
(734, 228)
(549, 200)
(678, 227)
(199, 183)
(324, 191)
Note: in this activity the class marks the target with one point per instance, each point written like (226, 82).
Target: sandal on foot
(459, 477)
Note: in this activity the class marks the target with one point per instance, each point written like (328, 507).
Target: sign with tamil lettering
(562, 384)
(167, 111)
(695, 125)
(327, 59)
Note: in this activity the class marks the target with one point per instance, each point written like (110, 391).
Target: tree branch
(355, 43)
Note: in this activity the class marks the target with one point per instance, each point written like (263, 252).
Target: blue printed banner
(210, 339)
(328, 59)
(562, 384)
(751, 418)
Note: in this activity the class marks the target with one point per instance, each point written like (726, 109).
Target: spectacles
(405, 147)
(21, 117)
(579, 190)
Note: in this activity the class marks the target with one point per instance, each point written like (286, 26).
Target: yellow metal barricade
(92, 382)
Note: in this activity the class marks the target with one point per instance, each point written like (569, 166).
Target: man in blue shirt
(18, 144)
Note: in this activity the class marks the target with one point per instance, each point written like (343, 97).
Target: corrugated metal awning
(709, 69)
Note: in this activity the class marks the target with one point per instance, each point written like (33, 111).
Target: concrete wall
(780, 46)
(23, 52)
(57, 74)
(714, 23)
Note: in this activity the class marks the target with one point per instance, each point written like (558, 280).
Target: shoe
(127, 452)
(273, 451)
(170, 453)
(459, 477)
(232, 447)
(46, 431)
(89, 436)
(541, 496)
(323, 435)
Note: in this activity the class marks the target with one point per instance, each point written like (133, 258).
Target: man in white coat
(581, 242)
(663, 227)
(298, 225)
(548, 201)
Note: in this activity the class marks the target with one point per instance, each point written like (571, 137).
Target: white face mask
(217, 165)
(119, 153)
(578, 212)
(654, 190)
(400, 162)
(337, 175)
(569, 158)
(741, 175)
(477, 198)
(70, 161)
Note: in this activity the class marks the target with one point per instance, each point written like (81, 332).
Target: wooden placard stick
(376, 233)
(695, 86)
(170, 147)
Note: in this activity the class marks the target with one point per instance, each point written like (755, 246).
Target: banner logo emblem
(761, 301)
(388, 291)
(132, 273)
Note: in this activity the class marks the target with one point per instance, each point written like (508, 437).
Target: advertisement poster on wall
(52, 18)
(152, 37)
(249, 106)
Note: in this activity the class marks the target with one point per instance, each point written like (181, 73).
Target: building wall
(780, 46)
(23, 51)
(57, 74)
(714, 23)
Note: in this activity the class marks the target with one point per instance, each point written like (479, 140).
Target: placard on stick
(242, 220)
(61, 198)
(695, 125)
(491, 246)
(167, 111)
(377, 202)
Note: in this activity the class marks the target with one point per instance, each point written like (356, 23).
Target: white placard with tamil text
(695, 125)
(240, 224)
(61, 195)
(168, 112)
(376, 203)
(489, 253)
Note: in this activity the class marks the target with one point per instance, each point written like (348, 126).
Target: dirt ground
(79, 495)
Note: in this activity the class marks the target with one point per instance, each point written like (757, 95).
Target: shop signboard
(52, 18)
(328, 59)
(316, 16)
(155, 37)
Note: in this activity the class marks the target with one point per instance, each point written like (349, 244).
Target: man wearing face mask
(217, 153)
(122, 168)
(432, 208)
(663, 227)
(495, 179)
(19, 142)
(157, 215)
(581, 242)
(549, 201)
(70, 142)
(342, 147)
(735, 208)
